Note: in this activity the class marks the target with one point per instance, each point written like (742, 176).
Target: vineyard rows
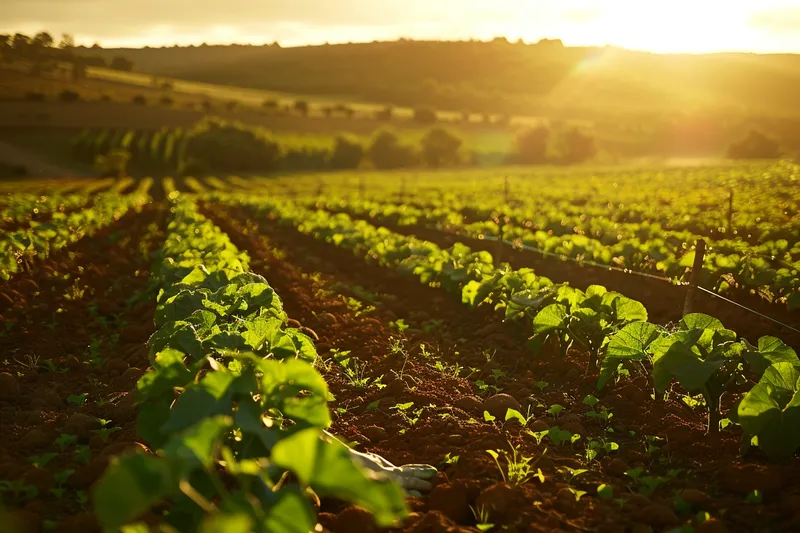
(184, 361)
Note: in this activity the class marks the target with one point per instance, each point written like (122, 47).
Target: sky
(664, 26)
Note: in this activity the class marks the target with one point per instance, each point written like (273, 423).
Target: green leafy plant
(519, 469)
(78, 399)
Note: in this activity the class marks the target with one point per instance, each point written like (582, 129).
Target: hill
(544, 79)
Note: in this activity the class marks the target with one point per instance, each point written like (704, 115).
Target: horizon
(677, 27)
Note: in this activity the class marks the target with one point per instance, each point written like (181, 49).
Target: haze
(692, 26)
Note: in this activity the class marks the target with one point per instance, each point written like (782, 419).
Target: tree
(577, 147)
(347, 154)
(440, 148)
(67, 42)
(532, 145)
(121, 63)
(386, 152)
(425, 115)
(20, 43)
(756, 145)
(301, 106)
(42, 40)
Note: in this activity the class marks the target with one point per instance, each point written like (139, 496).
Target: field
(522, 330)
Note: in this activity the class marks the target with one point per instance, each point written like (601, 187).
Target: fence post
(697, 269)
(730, 214)
(500, 238)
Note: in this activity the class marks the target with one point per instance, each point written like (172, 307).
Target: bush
(425, 115)
(386, 152)
(301, 106)
(139, 100)
(35, 97)
(232, 105)
(327, 111)
(532, 145)
(105, 97)
(347, 154)
(113, 164)
(270, 104)
(384, 114)
(230, 148)
(577, 147)
(440, 148)
(206, 105)
(166, 100)
(755, 145)
(69, 96)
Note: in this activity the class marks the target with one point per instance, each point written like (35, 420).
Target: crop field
(171, 348)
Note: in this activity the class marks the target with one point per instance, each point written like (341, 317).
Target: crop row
(43, 238)
(771, 267)
(22, 207)
(231, 403)
(699, 354)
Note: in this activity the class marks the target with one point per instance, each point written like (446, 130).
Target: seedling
(404, 409)
(60, 479)
(647, 485)
(605, 491)
(599, 448)
(450, 459)
(519, 469)
(29, 362)
(577, 493)
(64, 441)
(50, 366)
(78, 399)
(83, 454)
(399, 324)
(555, 409)
(105, 432)
(40, 461)
(481, 518)
(541, 385)
(755, 497)
(19, 490)
(571, 473)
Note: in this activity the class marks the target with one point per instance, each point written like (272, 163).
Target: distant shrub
(344, 110)
(121, 63)
(386, 152)
(465, 116)
(112, 165)
(576, 147)
(270, 104)
(105, 97)
(230, 148)
(346, 154)
(166, 100)
(425, 115)
(756, 145)
(139, 100)
(502, 120)
(206, 105)
(440, 148)
(327, 111)
(532, 145)
(69, 96)
(32, 96)
(384, 114)
(301, 107)
(232, 105)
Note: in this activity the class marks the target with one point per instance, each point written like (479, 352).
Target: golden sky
(692, 26)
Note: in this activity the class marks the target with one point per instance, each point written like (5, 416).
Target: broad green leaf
(632, 341)
(180, 336)
(195, 446)
(201, 400)
(771, 410)
(328, 467)
(229, 523)
(628, 310)
(291, 513)
(130, 486)
(700, 321)
(682, 364)
(178, 307)
(282, 383)
(513, 414)
(550, 318)
(770, 350)
(169, 372)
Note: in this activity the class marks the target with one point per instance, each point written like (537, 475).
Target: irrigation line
(522, 246)
(712, 293)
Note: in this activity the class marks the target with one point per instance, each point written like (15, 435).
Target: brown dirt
(311, 275)
(46, 323)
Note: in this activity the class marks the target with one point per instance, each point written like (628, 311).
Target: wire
(712, 293)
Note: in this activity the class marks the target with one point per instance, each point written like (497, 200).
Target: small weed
(78, 399)
(519, 469)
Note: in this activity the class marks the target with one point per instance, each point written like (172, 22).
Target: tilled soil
(665, 439)
(73, 348)
(424, 369)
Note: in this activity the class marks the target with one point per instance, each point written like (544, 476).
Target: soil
(665, 438)
(423, 370)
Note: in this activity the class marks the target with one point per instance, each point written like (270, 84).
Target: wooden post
(500, 239)
(730, 215)
(505, 189)
(697, 269)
